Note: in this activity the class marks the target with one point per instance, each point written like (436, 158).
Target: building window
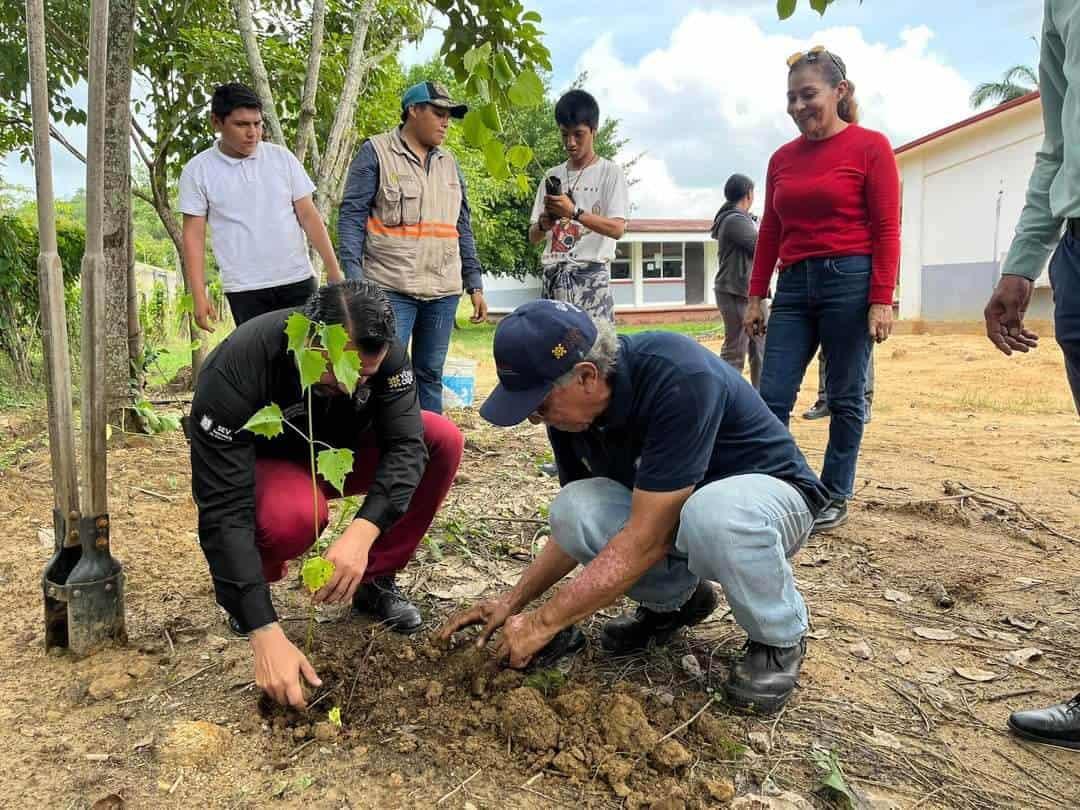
(620, 265)
(663, 260)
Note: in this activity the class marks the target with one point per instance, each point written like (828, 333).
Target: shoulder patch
(400, 381)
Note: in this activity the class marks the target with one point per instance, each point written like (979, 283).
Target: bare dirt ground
(961, 559)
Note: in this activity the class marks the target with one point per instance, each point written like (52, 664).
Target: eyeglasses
(813, 55)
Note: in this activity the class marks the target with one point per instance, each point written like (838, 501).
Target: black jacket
(250, 369)
(736, 234)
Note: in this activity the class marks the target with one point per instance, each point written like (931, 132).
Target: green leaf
(495, 160)
(333, 338)
(490, 115)
(185, 305)
(785, 8)
(316, 572)
(334, 716)
(476, 132)
(531, 16)
(819, 6)
(266, 421)
(519, 156)
(527, 90)
(312, 365)
(524, 185)
(832, 776)
(297, 329)
(347, 369)
(504, 74)
(477, 85)
(334, 465)
(477, 56)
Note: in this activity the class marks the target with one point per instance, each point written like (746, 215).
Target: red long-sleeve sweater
(836, 197)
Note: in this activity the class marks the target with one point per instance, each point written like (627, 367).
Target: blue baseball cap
(435, 94)
(535, 345)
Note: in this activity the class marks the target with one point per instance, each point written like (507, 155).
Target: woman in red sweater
(832, 219)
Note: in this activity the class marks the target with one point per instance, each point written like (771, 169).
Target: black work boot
(1057, 725)
(633, 631)
(833, 515)
(819, 410)
(763, 680)
(382, 599)
(234, 625)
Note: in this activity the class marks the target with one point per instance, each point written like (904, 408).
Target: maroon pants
(284, 528)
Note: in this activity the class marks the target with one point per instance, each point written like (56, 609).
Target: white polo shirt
(248, 202)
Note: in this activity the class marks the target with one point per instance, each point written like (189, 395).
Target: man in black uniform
(254, 495)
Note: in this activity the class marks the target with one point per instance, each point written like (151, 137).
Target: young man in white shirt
(580, 224)
(257, 198)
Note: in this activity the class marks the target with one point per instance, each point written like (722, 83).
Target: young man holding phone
(580, 211)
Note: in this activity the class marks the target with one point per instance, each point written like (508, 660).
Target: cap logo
(559, 352)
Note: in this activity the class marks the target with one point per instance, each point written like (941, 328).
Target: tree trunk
(159, 187)
(242, 10)
(305, 129)
(333, 156)
(116, 218)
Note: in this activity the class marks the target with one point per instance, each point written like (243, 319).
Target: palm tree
(1019, 80)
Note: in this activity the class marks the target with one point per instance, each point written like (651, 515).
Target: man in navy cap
(675, 475)
(404, 223)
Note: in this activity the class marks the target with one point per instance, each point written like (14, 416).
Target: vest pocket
(390, 209)
(410, 201)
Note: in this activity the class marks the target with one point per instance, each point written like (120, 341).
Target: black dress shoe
(382, 599)
(566, 642)
(833, 515)
(763, 680)
(819, 410)
(1058, 725)
(234, 626)
(634, 631)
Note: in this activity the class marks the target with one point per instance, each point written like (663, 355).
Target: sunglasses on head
(813, 55)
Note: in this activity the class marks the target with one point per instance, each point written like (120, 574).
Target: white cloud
(712, 101)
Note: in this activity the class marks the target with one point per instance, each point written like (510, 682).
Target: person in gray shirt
(735, 231)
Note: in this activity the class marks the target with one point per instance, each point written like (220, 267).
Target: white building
(963, 190)
(661, 267)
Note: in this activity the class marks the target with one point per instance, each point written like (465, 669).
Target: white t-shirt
(599, 189)
(248, 202)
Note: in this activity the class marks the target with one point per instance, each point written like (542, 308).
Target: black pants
(250, 304)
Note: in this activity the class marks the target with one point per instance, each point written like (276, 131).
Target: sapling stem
(315, 510)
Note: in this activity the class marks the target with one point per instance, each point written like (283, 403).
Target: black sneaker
(382, 599)
(833, 515)
(1057, 725)
(763, 680)
(819, 410)
(633, 631)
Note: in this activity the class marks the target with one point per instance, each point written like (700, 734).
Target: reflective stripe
(433, 230)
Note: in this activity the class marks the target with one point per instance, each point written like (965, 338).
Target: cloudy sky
(699, 86)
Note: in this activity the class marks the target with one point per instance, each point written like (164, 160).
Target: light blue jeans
(739, 532)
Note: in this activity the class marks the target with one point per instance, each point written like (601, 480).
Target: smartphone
(553, 186)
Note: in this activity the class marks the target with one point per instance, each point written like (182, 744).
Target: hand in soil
(279, 665)
(349, 554)
(523, 636)
(491, 613)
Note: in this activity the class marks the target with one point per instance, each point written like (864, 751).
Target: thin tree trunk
(116, 218)
(344, 118)
(242, 10)
(305, 129)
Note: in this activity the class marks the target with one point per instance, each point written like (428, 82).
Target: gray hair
(603, 353)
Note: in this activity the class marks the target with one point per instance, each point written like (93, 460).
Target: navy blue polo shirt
(680, 417)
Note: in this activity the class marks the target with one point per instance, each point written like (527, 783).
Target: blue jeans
(428, 324)
(1065, 280)
(739, 532)
(822, 301)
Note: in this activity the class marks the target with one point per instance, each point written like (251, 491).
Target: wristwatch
(577, 214)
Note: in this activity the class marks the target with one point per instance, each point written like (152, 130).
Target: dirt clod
(528, 720)
(194, 743)
(625, 725)
(719, 790)
(670, 755)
